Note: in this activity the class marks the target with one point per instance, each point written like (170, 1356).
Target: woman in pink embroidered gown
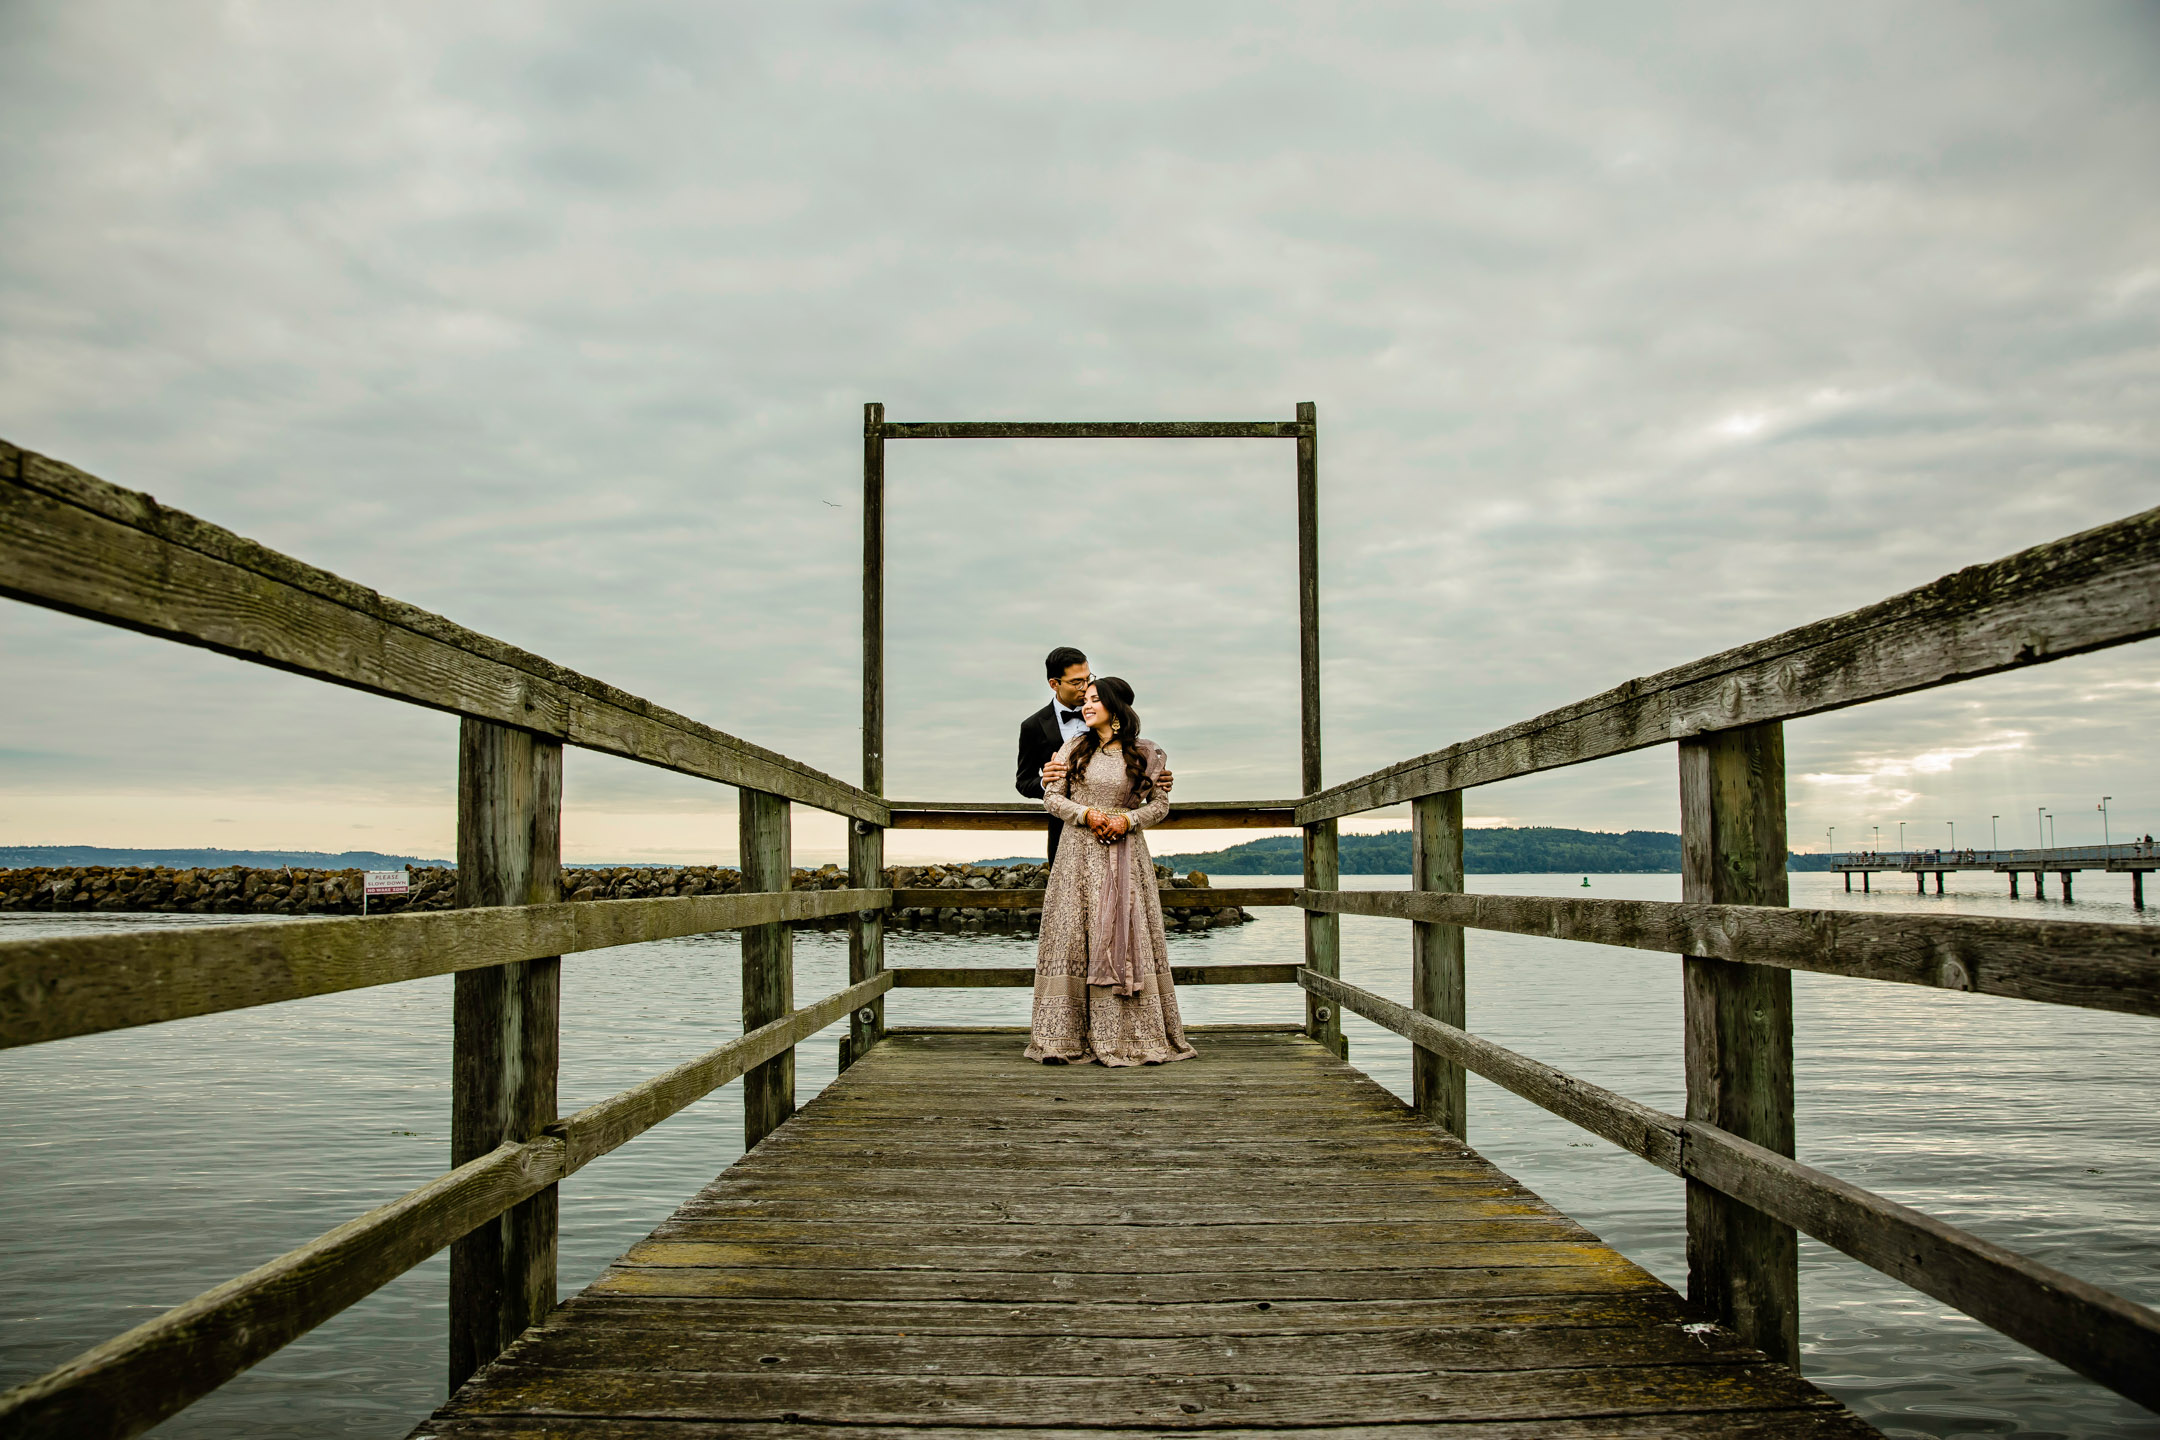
(1102, 970)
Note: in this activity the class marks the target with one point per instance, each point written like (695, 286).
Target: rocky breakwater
(239, 890)
(956, 919)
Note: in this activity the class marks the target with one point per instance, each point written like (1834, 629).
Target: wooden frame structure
(73, 543)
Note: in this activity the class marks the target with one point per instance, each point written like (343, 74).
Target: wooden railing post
(1743, 1267)
(1323, 932)
(866, 842)
(506, 1042)
(1437, 1086)
(768, 963)
(1323, 936)
(866, 938)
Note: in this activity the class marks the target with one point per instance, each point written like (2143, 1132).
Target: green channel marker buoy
(1586, 882)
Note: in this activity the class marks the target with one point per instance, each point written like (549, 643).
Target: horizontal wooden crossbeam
(1096, 429)
(1195, 899)
(2100, 1335)
(133, 1381)
(58, 986)
(2067, 597)
(998, 815)
(72, 542)
(1020, 977)
(2062, 962)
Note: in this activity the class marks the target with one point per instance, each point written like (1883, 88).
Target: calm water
(145, 1166)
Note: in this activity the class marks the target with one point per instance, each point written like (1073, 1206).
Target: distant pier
(2134, 859)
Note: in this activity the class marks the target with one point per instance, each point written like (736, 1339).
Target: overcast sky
(1636, 332)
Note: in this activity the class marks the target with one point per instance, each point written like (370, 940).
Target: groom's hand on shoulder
(1053, 773)
(1163, 782)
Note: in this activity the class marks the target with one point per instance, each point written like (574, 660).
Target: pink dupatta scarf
(1115, 962)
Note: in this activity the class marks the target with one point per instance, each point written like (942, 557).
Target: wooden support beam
(60, 986)
(1323, 935)
(1094, 429)
(1437, 982)
(2101, 1336)
(768, 962)
(873, 602)
(1743, 1266)
(996, 815)
(506, 1044)
(866, 940)
(72, 542)
(2085, 592)
(1195, 899)
(2057, 962)
(1020, 977)
(1323, 931)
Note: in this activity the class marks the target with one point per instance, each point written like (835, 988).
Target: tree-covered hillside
(1532, 850)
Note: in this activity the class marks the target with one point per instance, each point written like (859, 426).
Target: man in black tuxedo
(1045, 732)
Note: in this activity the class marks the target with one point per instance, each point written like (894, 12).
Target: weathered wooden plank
(134, 1380)
(601, 1127)
(2085, 592)
(1022, 1286)
(1096, 429)
(1163, 1402)
(1184, 815)
(2061, 962)
(768, 962)
(1803, 1424)
(1321, 1251)
(1638, 1129)
(1083, 1316)
(664, 1344)
(980, 977)
(1743, 1265)
(72, 542)
(1172, 899)
(1437, 985)
(84, 984)
(750, 1227)
(505, 1043)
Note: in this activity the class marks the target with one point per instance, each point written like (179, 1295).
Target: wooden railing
(1746, 1196)
(71, 542)
(74, 543)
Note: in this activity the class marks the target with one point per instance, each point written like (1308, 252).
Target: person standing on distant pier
(1103, 992)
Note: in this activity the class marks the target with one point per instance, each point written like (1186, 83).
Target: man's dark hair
(1058, 661)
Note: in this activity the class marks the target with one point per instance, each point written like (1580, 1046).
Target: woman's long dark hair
(1117, 698)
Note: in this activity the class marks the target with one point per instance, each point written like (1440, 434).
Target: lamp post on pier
(2051, 829)
(2040, 825)
(1901, 837)
(2103, 818)
(1995, 832)
(1953, 834)
(1831, 846)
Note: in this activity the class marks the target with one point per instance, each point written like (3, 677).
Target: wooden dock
(1261, 1239)
(953, 1240)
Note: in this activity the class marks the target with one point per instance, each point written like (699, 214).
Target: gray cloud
(1637, 332)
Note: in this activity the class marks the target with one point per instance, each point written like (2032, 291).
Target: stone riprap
(239, 890)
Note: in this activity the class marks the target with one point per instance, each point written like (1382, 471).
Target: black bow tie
(1064, 715)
